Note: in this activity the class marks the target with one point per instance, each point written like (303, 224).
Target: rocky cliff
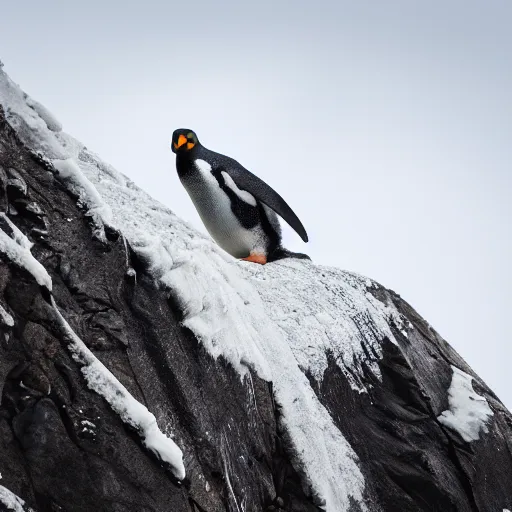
(142, 369)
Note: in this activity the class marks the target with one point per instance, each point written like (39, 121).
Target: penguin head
(183, 140)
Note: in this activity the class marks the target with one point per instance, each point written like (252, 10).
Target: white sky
(387, 126)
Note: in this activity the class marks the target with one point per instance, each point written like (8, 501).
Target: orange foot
(256, 258)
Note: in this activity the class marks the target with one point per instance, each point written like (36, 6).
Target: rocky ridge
(285, 387)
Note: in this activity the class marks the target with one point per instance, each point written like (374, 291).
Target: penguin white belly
(214, 208)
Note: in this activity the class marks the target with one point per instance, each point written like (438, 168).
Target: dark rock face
(64, 449)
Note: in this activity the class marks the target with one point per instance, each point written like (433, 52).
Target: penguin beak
(181, 141)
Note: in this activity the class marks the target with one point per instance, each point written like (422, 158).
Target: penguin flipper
(246, 180)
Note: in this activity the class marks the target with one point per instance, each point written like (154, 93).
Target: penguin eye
(191, 136)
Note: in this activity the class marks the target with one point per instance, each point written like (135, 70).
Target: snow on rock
(98, 378)
(11, 501)
(222, 304)
(132, 412)
(6, 319)
(323, 310)
(18, 252)
(72, 176)
(468, 412)
(51, 121)
(280, 320)
(31, 127)
(14, 232)
(42, 133)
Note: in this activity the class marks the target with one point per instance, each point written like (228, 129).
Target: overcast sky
(387, 126)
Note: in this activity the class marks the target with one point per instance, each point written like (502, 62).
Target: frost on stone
(12, 502)
(468, 412)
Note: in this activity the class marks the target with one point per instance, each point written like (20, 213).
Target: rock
(62, 447)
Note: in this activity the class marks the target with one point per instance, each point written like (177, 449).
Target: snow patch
(468, 412)
(19, 253)
(51, 121)
(324, 318)
(324, 313)
(29, 125)
(72, 176)
(132, 412)
(5, 317)
(11, 501)
(17, 235)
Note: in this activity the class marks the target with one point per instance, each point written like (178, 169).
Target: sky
(387, 126)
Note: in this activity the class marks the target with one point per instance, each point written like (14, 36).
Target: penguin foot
(256, 258)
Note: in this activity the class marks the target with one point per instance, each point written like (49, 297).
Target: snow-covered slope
(288, 321)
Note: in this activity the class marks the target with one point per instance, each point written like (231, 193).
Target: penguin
(238, 209)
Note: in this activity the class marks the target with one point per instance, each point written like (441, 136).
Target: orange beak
(181, 140)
